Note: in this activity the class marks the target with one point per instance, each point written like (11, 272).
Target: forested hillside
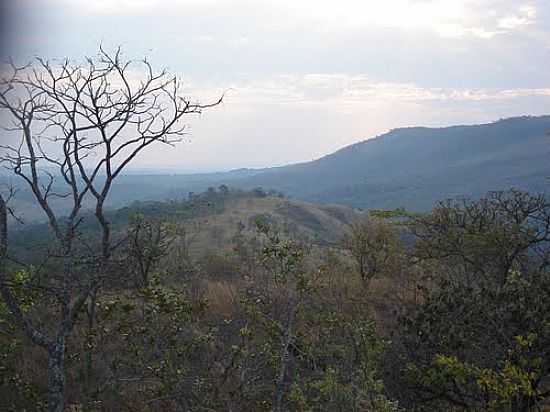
(415, 167)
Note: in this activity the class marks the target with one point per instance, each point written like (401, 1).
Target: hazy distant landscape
(411, 167)
(274, 206)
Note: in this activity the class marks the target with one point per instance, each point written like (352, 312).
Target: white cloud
(526, 15)
(129, 7)
(341, 88)
(453, 30)
(447, 18)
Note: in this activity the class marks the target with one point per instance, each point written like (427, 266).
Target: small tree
(149, 241)
(73, 130)
(372, 243)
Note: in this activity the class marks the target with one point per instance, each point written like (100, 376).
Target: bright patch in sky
(447, 17)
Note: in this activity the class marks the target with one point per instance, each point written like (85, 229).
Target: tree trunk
(89, 350)
(3, 231)
(285, 360)
(56, 376)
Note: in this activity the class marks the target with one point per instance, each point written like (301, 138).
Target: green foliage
(398, 213)
(334, 357)
(143, 337)
(19, 392)
(277, 316)
(480, 340)
(346, 374)
(374, 245)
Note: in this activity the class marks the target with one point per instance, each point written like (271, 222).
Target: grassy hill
(214, 218)
(322, 224)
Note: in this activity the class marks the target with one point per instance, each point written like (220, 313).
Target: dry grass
(222, 297)
(217, 231)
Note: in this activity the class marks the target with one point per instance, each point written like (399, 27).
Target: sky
(304, 78)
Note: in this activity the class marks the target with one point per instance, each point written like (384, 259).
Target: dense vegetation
(434, 312)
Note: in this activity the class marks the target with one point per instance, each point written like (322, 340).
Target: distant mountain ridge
(410, 167)
(416, 166)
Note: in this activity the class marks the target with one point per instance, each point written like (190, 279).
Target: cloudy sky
(306, 77)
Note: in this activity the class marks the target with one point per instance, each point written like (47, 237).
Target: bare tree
(74, 128)
(149, 240)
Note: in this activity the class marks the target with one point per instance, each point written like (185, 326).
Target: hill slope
(213, 219)
(414, 167)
